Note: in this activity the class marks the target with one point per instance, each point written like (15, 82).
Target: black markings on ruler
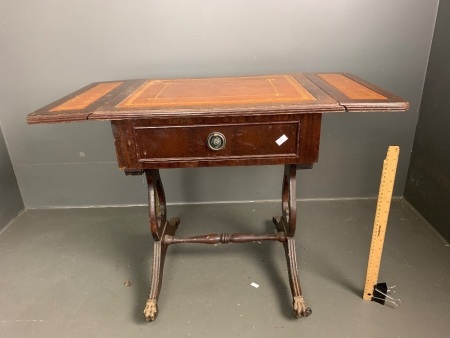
(381, 218)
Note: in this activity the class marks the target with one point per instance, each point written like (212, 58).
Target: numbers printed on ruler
(381, 219)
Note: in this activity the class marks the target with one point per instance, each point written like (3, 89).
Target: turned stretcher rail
(225, 238)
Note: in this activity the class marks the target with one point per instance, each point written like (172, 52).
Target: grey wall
(10, 200)
(428, 185)
(50, 48)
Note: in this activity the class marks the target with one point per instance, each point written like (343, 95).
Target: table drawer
(190, 143)
(182, 142)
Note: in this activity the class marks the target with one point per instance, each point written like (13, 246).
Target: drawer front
(157, 144)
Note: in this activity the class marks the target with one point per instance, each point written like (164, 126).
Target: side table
(229, 121)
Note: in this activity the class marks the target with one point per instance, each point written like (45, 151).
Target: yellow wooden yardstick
(380, 223)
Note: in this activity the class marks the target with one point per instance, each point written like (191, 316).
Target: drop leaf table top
(227, 96)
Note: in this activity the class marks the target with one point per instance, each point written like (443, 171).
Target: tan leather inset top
(253, 90)
(350, 88)
(221, 96)
(89, 96)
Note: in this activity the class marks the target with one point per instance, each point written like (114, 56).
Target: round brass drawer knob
(216, 141)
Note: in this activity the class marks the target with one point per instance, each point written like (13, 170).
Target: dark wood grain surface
(166, 143)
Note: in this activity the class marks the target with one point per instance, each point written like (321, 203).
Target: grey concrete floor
(63, 274)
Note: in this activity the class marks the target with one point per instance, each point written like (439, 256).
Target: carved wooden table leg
(286, 224)
(159, 226)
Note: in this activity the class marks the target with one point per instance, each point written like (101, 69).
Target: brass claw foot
(151, 310)
(300, 308)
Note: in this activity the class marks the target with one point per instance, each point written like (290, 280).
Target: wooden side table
(234, 121)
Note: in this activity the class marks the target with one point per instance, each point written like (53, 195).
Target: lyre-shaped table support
(163, 232)
(286, 224)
